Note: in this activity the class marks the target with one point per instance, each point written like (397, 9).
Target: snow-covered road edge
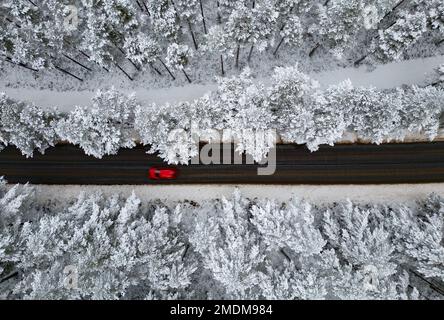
(319, 194)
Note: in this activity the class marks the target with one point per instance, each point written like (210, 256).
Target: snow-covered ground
(395, 74)
(321, 194)
(386, 76)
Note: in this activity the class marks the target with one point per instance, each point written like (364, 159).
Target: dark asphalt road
(342, 164)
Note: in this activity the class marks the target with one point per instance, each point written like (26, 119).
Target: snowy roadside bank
(320, 194)
(391, 75)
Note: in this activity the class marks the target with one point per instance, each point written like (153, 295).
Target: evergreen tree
(419, 235)
(392, 42)
(421, 110)
(103, 128)
(117, 250)
(15, 205)
(25, 126)
(229, 249)
(169, 132)
(339, 22)
(291, 227)
(242, 107)
(178, 58)
(375, 114)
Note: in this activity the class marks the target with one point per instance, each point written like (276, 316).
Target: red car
(162, 173)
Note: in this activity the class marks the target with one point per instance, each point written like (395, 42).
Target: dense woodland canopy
(293, 105)
(165, 35)
(112, 247)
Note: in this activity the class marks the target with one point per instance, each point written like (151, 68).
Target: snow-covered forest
(199, 40)
(293, 104)
(113, 247)
(258, 64)
(195, 40)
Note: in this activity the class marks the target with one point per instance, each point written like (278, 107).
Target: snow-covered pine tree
(290, 282)
(105, 26)
(15, 208)
(294, 97)
(362, 240)
(291, 33)
(419, 236)
(434, 10)
(352, 284)
(164, 19)
(242, 107)
(439, 77)
(239, 28)
(27, 127)
(264, 24)
(218, 42)
(189, 11)
(375, 115)
(143, 49)
(289, 227)
(167, 130)
(116, 248)
(421, 110)
(178, 57)
(226, 7)
(392, 42)
(34, 34)
(339, 22)
(332, 119)
(229, 248)
(102, 128)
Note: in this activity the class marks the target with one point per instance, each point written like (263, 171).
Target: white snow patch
(319, 194)
(67, 100)
(386, 76)
(390, 75)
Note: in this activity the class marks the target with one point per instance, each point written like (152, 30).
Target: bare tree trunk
(203, 17)
(76, 62)
(278, 46)
(222, 65)
(434, 84)
(147, 11)
(219, 18)
(121, 69)
(134, 64)
(312, 51)
(432, 285)
(124, 54)
(154, 68)
(83, 53)
(68, 73)
(192, 34)
(186, 76)
(250, 53)
(7, 59)
(165, 66)
(185, 251)
(393, 9)
(237, 56)
(285, 255)
(358, 62)
(440, 42)
(9, 276)
(140, 7)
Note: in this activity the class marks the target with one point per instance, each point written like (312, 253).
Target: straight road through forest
(341, 164)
